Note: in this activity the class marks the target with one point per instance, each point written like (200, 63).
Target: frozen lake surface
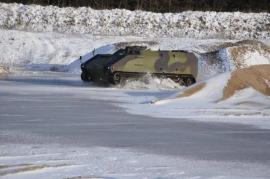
(51, 127)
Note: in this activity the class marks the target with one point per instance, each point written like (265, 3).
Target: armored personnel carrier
(137, 61)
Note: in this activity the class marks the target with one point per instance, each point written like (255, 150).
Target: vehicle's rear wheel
(116, 78)
(189, 81)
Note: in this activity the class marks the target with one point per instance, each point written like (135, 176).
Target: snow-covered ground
(55, 126)
(60, 161)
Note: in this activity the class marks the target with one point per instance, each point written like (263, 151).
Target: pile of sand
(257, 77)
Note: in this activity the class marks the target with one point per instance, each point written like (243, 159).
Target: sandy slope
(257, 77)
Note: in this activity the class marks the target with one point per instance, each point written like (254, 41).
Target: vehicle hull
(134, 63)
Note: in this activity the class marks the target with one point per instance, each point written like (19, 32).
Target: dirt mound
(257, 77)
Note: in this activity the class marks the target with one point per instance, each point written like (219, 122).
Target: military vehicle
(137, 61)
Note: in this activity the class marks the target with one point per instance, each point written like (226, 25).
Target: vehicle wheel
(85, 77)
(189, 81)
(180, 81)
(116, 78)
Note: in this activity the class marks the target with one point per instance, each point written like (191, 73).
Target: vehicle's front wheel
(85, 77)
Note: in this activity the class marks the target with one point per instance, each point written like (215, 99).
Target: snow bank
(52, 51)
(209, 92)
(242, 93)
(229, 56)
(123, 22)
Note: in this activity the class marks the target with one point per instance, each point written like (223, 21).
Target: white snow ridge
(139, 23)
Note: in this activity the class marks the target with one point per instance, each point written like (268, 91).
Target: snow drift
(218, 90)
(209, 91)
(138, 23)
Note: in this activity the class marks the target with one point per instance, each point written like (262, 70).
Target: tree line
(160, 5)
